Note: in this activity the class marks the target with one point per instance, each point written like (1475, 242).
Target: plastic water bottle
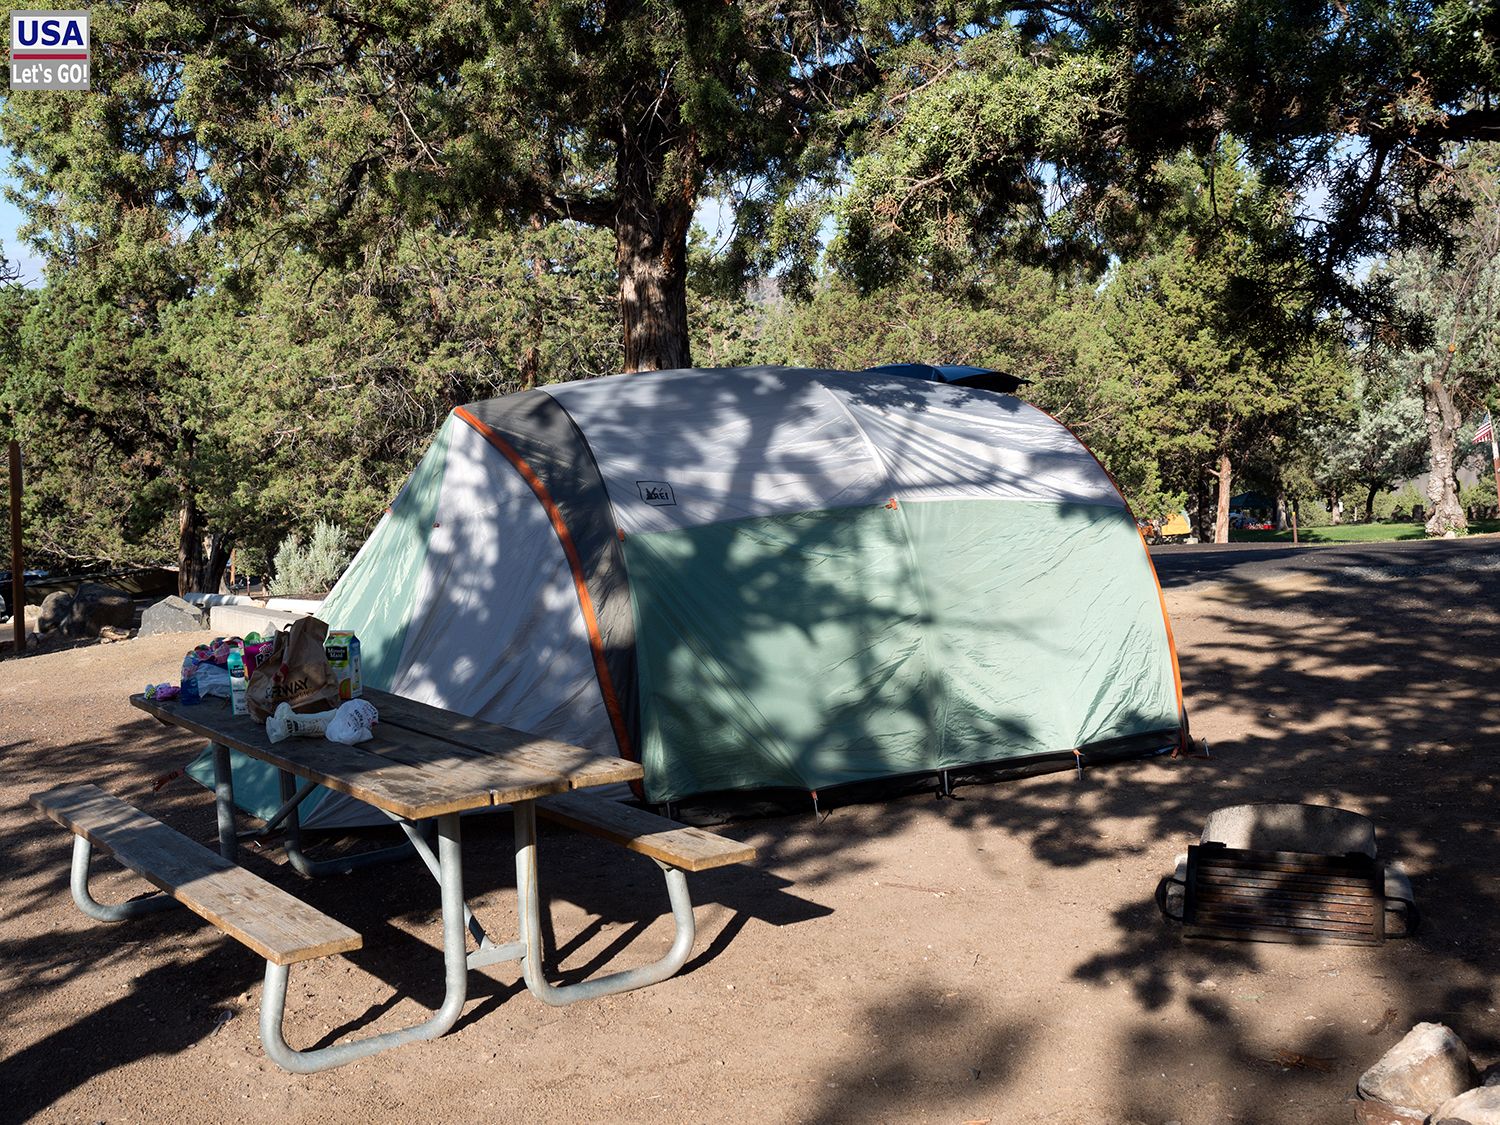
(239, 686)
(188, 695)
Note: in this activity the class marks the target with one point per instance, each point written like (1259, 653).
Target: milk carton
(342, 648)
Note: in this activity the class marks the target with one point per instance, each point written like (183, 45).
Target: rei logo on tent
(657, 493)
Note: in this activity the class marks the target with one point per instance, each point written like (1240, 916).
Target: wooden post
(17, 575)
(1494, 459)
(1294, 525)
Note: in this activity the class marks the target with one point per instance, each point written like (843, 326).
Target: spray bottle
(239, 686)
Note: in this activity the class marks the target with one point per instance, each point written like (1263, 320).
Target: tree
(205, 417)
(1051, 135)
(1455, 299)
(337, 126)
(994, 324)
(1120, 407)
(1217, 365)
(108, 412)
(942, 133)
(1380, 441)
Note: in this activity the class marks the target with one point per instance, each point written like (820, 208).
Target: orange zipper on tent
(580, 583)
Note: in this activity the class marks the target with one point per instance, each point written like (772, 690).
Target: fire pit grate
(1283, 896)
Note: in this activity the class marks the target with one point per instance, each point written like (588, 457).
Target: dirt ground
(993, 957)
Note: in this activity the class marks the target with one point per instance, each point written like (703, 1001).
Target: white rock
(1428, 1067)
(1476, 1107)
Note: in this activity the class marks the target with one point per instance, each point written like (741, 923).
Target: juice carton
(342, 648)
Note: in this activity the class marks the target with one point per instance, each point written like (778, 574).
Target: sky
(20, 255)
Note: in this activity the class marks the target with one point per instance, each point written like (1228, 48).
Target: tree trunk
(1370, 503)
(219, 549)
(1281, 512)
(651, 239)
(531, 358)
(199, 569)
(1221, 517)
(191, 570)
(1201, 527)
(1445, 516)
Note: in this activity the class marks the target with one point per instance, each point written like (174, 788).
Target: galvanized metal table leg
(489, 952)
(292, 796)
(529, 912)
(83, 852)
(455, 971)
(224, 801)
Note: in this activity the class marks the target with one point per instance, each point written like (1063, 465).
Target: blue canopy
(958, 373)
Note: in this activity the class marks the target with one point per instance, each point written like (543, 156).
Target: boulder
(1378, 1113)
(54, 611)
(1477, 1107)
(172, 615)
(1429, 1066)
(95, 606)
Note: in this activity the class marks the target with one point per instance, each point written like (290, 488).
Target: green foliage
(1179, 360)
(1455, 364)
(1051, 134)
(1479, 496)
(953, 180)
(282, 245)
(343, 378)
(1398, 506)
(308, 397)
(340, 127)
(310, 571)
(1375, 438)
(1313, 513)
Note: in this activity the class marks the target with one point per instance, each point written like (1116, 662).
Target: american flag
(1485, 432)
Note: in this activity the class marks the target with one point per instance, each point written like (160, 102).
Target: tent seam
(936, 691)
(1161, 594)
(575, 564)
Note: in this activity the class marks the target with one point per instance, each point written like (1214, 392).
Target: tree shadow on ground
(1266, 670)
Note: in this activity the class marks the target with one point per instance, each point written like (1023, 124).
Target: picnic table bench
(280, 927)
(425, 764)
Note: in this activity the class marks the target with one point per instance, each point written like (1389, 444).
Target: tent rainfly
(767, 578)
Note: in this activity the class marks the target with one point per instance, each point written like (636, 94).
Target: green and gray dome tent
(769, 578)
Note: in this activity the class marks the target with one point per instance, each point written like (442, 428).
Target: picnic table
(424, 765)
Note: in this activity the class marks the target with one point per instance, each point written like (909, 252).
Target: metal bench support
(83, 854)
(456, 973)
(529, 909)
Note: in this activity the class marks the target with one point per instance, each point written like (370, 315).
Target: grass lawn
(1354, 533)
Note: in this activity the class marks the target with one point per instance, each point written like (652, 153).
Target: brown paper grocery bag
(296, 672)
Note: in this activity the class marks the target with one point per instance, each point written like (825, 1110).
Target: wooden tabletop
(422, 762)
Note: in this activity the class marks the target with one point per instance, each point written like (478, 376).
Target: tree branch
(1471, 125)
(593, 212)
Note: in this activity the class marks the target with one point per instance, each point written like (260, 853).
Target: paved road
(1183, 565)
